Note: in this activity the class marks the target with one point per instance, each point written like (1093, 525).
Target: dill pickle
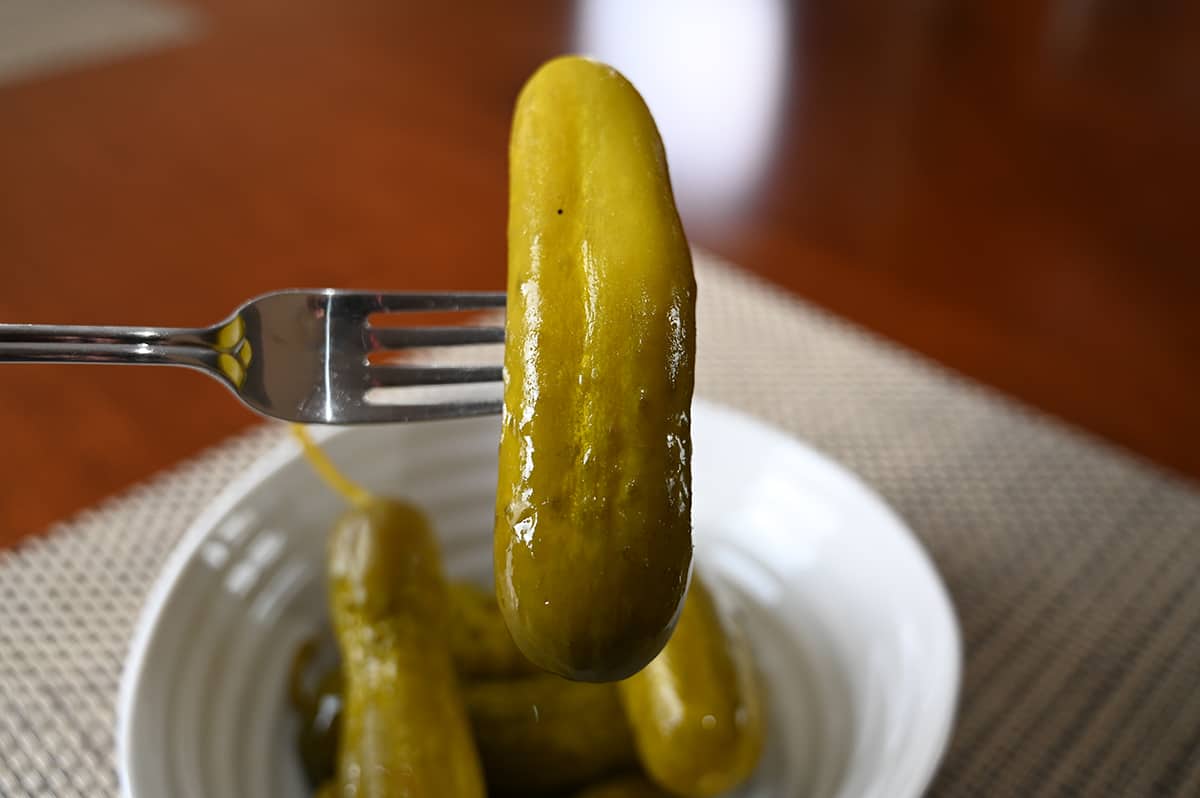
(480, 647)
(404, 728)
(697, 709)
(593, 510)
(535, 735)
(626, 787)
(544, 734)
(480, 643)
(320, 723)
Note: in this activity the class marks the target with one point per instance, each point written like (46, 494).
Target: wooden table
(1008, 187)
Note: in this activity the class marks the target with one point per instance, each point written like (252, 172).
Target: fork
(297, 355)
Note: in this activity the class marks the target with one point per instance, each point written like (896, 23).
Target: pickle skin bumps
(592, 545)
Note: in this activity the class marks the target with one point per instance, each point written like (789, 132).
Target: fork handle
(47, 343)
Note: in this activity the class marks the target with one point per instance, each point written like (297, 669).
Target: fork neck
(88, 335)
(197, 347)
(198, 357)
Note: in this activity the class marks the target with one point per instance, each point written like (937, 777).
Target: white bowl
(850, 623)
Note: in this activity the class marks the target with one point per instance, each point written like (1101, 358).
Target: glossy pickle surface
(624, 787)
(544, 734)
(536, 734)
(593, 509)
(404, 729)
(697, 710)
(480, 643)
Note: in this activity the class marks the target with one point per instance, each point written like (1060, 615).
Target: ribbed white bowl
(850, 623)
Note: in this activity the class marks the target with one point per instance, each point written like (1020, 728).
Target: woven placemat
(1073, 567)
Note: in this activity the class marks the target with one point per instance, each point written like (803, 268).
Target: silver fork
(299, 355)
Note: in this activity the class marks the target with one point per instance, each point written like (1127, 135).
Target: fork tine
(391, 376)
(399, 302)
(416, 337)
(383, 413)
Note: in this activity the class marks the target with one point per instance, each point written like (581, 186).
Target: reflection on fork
(309, 356)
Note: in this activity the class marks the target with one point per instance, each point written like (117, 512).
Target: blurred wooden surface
(1009, 187)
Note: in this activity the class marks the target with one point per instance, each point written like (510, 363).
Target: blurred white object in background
(44, 36)
(713, 73)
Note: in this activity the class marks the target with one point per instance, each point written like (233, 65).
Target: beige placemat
(1073, 567)
(39, 37)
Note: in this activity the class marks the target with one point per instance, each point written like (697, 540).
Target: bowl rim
(287, 450)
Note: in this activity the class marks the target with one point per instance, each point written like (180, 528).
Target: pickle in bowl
(403, 724)
(537, 734)
(625, 787)
(544, 734)
(697, 711)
